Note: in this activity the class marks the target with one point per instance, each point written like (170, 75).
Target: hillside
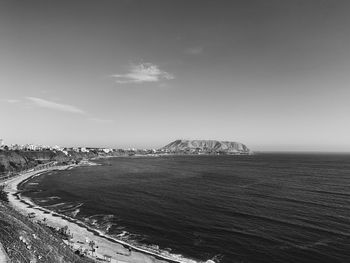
(25, 241)
(19, 160)
(206, 146)
(14, 161)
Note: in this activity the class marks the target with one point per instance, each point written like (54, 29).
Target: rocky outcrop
(206, 146)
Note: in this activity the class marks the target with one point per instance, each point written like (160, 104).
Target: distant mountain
(206, 146)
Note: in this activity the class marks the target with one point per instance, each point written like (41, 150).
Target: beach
(106, 248)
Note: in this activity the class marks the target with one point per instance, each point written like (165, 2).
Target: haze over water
(260, 208)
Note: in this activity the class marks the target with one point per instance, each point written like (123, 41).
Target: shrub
(3, 195)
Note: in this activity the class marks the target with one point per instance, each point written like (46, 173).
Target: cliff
(206, 146)
(14, 161)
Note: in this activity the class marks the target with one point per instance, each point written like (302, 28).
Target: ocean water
(259, 208)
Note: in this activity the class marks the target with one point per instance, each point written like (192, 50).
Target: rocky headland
(206, 147)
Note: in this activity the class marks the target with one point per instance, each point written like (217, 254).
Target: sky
(273, 75)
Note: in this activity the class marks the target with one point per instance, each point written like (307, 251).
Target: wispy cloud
(54, 105)
(194, 50)
(11, 100)
(144, 72)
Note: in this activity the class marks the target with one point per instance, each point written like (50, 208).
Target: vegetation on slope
(27, 241)
(3, 195)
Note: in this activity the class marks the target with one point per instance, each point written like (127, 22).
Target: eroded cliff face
(206, 146)
(14, 161)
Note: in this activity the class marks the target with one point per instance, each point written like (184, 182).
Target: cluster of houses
(87, 149)
(34, 147)
(67, 150)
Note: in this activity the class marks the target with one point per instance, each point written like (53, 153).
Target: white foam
(75, 212)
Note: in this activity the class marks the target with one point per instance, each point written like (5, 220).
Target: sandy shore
(118, 250)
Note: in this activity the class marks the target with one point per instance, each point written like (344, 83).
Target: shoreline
(118, 250)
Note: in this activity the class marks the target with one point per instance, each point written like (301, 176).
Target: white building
(31, 147)
(57, 148)
(107, 150)
(83, 150)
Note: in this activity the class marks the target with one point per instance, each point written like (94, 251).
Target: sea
(266, 207)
